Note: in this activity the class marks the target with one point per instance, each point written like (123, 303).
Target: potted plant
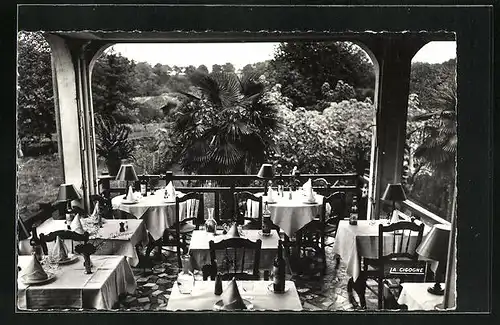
(113, 143)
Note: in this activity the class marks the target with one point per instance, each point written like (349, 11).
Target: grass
(38, 180)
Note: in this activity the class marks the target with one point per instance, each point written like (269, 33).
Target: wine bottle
(279, 270)
(266, 221)
(36, 244)
(144, 186)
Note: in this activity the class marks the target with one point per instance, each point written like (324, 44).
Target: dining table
(352, 242)
(416, 297)
(258, 293)
(108, 238)
(290, 211)
(200, 251)
(71, 287)
(157, 212)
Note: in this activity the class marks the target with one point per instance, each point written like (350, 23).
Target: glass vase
(210, 224)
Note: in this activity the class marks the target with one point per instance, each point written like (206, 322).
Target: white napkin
(395, 216)
(270, 195)
(307, 186)
(170, 190)
(310, 195)
(34, 270)
(231, 297)
(76, 225)
(130, 194)
(95, 213)
(59, 252)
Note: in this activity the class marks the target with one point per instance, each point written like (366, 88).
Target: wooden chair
(236, 258)
(323, 184)
(405, 237)
(63, 234)
(244, 215)
(177, 235)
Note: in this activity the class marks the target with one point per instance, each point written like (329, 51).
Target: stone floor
(327, 293)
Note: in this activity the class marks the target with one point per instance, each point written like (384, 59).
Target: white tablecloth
(354, 241)
(291, 215)
(108, 238)
(72, 288)
(158, 213)
(200, 250)
(416, 297)
(203, 298)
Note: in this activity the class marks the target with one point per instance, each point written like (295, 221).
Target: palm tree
(225, 127)
(439, 146)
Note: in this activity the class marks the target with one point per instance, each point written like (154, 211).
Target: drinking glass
(246, 287)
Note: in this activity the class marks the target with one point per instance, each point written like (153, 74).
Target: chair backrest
(323, 184)
(245, 210)
(195, 209)
(399, 240)
(63, 234)
(236, 257)
(334, 208)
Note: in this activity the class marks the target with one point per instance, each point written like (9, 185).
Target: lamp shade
(126, 173)
(266, 171)
(435, 244)
(67, 192)
(394, 192)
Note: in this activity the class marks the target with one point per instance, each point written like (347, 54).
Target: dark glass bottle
(144, 185)
(36, 244)
(279, 270)
(218, 285)
(266, 221)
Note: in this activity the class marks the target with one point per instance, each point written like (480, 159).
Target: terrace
(73, 57)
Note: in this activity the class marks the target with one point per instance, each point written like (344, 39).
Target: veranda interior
(73, 57)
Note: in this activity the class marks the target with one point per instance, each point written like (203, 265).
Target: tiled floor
(328, 293)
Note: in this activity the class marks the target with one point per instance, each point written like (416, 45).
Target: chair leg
(361, 290)
(380, 293)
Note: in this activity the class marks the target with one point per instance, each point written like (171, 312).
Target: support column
(71, 65)
(66, 106)
(394, 55)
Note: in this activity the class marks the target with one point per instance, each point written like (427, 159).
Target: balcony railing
(226, 185)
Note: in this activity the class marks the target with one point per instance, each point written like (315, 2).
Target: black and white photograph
(177, 171)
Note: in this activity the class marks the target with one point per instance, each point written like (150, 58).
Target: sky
(240, 54)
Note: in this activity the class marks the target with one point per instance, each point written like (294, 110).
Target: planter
(113, 166)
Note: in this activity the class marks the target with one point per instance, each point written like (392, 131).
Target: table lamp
(266, 172)
(127, 173)
(394, 193)
(68, 193)
(435, 247)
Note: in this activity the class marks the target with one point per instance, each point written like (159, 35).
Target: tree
(147, 82)
(216, 68)
(35, 105)
(225, 127)
(433, 135)
(112, 86)
(228, 67)
(302, 68)
(203, 68)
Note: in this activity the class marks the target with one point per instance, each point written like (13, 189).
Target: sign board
(401, 269)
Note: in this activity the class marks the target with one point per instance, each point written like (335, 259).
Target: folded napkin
(395, 216)
(307, 186)
(170, 190)
(95, 212)
(270, 195)
(233, 231)
(34, 271)
(59, 251)
(130, 194)
(231, 297)
(76, 225)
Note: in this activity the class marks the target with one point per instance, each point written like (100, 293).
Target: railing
(226, 185)
(418, 211)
